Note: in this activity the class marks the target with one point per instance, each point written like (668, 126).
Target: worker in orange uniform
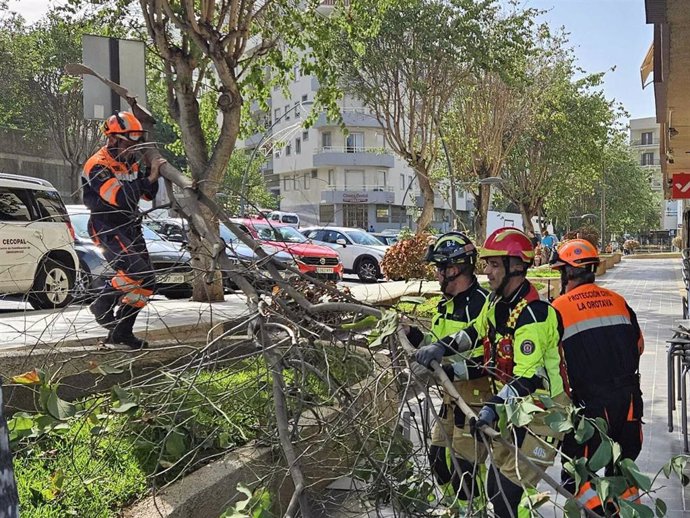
(602, 343)
(113, 184)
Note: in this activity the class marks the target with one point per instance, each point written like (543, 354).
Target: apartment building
(644, 140)
(334, 177)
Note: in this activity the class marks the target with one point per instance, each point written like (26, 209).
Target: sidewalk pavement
(161, 319)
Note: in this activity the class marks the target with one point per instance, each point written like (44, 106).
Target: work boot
(130, 340)
(102, 309)
(122, 334)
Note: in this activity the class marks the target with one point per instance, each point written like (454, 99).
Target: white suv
(37, 256)
(360, 252)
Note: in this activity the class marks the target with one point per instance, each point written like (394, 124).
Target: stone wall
(30, 156)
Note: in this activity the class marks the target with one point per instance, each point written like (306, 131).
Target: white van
(287, 218)
(37, 254)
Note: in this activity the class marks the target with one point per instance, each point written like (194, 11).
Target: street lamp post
(268, 132)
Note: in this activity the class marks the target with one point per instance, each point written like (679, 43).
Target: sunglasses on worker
(132, 136)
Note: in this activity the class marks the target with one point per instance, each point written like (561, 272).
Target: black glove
(425, 355)
(486, 417)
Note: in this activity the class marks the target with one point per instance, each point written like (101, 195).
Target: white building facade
(343, 178)
(644, 140)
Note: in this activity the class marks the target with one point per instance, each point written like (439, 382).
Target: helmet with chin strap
(576, 259)
(508, 242)
(452, 248)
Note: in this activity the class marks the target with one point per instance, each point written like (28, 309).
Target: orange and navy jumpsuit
(112, 190)
(602, 343)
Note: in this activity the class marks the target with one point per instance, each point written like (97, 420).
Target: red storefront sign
(680, 186)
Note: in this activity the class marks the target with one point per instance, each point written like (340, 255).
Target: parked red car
(316, 260)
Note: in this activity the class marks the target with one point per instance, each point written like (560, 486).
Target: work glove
(486, 417)
(425, 355)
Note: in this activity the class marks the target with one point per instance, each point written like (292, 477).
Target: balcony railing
(646, 142)
(648, 163)
(353, 156)
(359, 188)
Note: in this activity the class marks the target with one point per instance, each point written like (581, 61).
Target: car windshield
(227, 234)
(362, 238)
(80, 223)
(285, 234)
(290, 219)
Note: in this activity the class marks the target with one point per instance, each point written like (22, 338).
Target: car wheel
(368, 270)
(53, 286)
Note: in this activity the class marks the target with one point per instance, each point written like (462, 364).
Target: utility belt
(597, 390)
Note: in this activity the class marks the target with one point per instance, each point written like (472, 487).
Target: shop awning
(647, 66)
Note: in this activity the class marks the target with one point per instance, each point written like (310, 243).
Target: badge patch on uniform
(527, 347)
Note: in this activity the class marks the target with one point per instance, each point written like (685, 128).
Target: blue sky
(604, 33)
(608, 33)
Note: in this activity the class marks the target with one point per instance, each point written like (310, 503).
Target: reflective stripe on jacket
(602, 340)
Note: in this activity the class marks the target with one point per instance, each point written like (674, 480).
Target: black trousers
(622, 410)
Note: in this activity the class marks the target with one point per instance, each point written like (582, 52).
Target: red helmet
(508, 242)
(123, 125)
(575, 252)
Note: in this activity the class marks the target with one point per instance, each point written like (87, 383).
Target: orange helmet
(575, 252)
(508, 242)
(123, 125)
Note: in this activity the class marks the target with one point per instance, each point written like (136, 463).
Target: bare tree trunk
(75, 183)
(202, 259)
(428, 194)
(481, 200)
(527, 215)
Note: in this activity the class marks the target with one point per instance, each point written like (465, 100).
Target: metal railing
(352, 149)
(359, 188)
(654, 161)
(646, 142)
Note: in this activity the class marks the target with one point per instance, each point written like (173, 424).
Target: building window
(305, 98)
(647, 138)
(297, 107)
(331, 177)
(288, 150)
(276, 115)
(298, 146)
(287, 112)
(355, 142)
(326, 143)
(382, 213)
(306, 181)
(286, 183)
(296, 71)
(380, 180)
(402, 182)
(305, 135)
(647, 159)
(327, 214)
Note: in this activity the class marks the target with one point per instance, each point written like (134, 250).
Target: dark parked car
(175, 229)
(386, 239)
(170, 262)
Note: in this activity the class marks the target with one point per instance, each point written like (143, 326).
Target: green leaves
(601, 457)
(634, 475)
(59, 408)
(257, 504)
(387, 326)
(559, 422)
(584, 432)
(123, 399)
